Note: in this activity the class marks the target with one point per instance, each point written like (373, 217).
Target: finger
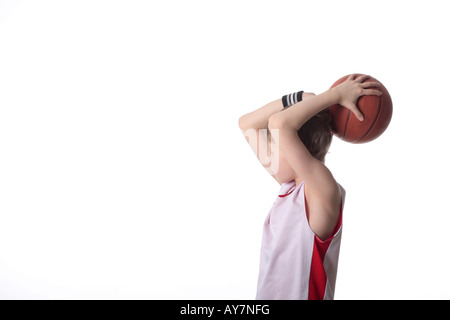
(362, 78)
(372, 92)
(351, 77)
(357, 113)
(370, 84)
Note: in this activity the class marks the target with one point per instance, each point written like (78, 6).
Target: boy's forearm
(296, 115)
(258, 119)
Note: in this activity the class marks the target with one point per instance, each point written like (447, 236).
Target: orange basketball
(377, 111)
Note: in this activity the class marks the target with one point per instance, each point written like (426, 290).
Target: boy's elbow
(243, 122)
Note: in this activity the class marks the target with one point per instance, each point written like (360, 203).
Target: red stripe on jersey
(284, 195)
(318, 276)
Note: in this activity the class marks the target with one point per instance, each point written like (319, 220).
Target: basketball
(377, 111)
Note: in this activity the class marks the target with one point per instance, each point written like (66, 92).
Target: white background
(123, 172)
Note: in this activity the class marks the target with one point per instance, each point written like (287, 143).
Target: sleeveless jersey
(295, 263)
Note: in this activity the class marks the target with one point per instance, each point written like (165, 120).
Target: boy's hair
(316, 134)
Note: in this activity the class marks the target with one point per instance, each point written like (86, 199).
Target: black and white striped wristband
(292, 98)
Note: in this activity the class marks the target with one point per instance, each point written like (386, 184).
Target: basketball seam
(346, 123)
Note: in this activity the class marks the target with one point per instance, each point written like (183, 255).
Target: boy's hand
(351, 89)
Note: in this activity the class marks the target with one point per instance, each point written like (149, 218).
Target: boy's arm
(258, 118)
(251, 122)
(295, 116)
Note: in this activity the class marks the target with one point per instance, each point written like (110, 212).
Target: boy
(302, 232)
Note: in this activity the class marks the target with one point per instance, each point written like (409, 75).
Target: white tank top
(294, 262)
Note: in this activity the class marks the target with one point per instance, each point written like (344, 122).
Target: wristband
(293, 98)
